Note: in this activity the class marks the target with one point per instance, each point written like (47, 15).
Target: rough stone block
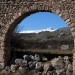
(64, 47)
(1, 56)
(1, 38)
(72, 29)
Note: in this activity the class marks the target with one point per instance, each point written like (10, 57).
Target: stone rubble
(40, 65)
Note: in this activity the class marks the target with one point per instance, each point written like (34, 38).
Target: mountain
(64, 33)
(37, 31)
(43, 39)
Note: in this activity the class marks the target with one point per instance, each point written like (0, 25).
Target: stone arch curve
(64, 8)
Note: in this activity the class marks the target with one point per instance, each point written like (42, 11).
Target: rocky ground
(39, 65)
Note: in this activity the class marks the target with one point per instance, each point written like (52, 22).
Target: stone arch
(64, 8)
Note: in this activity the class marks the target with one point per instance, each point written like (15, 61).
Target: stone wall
(11, 13)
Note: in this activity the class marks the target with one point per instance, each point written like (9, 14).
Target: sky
(41, 20)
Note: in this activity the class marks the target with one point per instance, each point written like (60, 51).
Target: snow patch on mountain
(37, 31)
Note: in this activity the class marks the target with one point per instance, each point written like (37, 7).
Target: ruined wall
(11, 13)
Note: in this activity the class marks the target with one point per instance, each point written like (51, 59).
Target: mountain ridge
(43, 39)
(37, 31)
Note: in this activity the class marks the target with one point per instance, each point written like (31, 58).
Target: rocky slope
(44, 39)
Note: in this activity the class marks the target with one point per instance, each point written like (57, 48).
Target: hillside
(43, 40)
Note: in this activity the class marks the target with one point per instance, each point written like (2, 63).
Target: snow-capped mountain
(37, 31)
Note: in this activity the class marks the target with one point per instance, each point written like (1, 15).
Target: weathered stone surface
(39, 66)
(70, 67)
(3, 72)
(13, 11)
(14, 68)
(1, 55)
(37, 57)
(32, 57)
(60, 71)
(7, 69)
(31, 65)
(21, 68)
(19, 61)
(48, 67)
(1, 66)
(58, 64)
(44, 59)
(64, 47)
(27, 58)
(50, 73)
(25, 63)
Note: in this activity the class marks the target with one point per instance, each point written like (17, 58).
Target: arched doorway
(9, 36)
(44, 46)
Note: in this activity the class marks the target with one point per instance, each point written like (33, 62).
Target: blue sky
(41, 20)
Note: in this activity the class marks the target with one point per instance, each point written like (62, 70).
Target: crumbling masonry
(13, 11)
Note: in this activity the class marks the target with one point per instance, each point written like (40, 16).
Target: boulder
(24, 63)
(1, 66)
(60, 71)
(21, 68)
(50, 73)
(37, 57)
(37, 73)
(8, 69)
(32, 57)
(69, 73)
(70, 67)
(14, 68)
(31, 65)
(27, 58)
(19, 61)
(57, 63)
(67, 62)
(44, 73)
(48, 67)
(3, 72)
(44, 59)
(53, 61)
(66, 58)
(39, 66)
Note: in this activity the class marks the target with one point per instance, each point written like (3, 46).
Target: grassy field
(48, 51)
